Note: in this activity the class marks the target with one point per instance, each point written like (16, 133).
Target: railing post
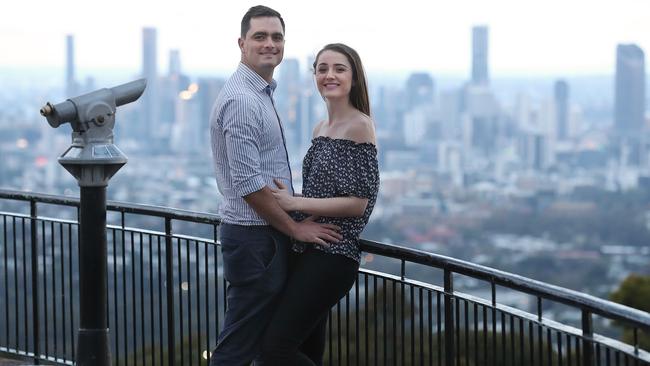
(35, 310)
(450, 352)
(169, 279)
(587, 336)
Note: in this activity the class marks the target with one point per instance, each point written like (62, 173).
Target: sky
(527, 38)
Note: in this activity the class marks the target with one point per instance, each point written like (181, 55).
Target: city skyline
(553, 38)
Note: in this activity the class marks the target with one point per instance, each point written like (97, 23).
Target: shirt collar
(255, 79)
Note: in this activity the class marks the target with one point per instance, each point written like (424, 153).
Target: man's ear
(240, 42)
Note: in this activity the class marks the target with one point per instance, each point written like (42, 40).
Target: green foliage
(634, 292)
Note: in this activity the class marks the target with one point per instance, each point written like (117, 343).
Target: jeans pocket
(247, 253)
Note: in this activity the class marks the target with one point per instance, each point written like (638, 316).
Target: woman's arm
(330, 207)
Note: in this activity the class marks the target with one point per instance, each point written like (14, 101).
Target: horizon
(30, 74)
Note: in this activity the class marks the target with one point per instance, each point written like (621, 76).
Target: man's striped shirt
(248, 146)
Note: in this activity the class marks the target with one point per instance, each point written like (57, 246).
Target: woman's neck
(339, 110)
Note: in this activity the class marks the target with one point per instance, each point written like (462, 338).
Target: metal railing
(166, 299)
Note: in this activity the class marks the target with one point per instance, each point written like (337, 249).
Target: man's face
(263, 47)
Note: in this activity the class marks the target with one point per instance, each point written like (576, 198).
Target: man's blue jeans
(255, 266)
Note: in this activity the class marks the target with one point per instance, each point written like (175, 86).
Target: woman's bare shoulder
(361, 129)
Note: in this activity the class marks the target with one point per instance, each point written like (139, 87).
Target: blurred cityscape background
(547, 177)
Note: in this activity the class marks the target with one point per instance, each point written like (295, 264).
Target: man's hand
(310, 231)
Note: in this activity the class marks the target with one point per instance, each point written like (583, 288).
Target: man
(249, 151)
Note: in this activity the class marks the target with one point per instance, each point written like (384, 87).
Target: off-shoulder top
(340, 168)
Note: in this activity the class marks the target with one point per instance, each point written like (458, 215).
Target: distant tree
(634, 292)
(616, 218)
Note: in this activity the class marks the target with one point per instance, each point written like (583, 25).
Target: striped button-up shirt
(248, 146)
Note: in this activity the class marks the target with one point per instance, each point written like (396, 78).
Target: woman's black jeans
(296, 333)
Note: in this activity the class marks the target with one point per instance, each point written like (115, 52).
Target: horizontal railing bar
(159, 211)
(39, 218)
(30, 355)
(622, 347)
(40, 197)
(126, 207)
(15, 214)
(110, 227)
(15, 352)
(513, 281)
(129, 229)
(387, 276)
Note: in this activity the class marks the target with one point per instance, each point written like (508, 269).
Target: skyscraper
(174, 62)
(70, 82)
(209, 88)
(288, 98)
(419, 90)
(480, 55)
(175, 81)
(562, 109)
(169, 88)
(150, 72)
(629, 107)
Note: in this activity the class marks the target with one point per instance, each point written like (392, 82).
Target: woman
(340, 184)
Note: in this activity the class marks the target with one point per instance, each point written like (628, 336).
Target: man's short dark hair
(256, 12)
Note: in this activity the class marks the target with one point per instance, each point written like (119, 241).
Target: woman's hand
(286, 201)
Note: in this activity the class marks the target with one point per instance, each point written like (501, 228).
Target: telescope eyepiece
(47, 109)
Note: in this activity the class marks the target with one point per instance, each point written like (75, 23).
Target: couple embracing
(288, 257)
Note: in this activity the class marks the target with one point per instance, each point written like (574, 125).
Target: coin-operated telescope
(93, 159)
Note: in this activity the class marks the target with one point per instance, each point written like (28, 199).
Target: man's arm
(264, 204)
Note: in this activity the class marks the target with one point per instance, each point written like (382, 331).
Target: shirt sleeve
(361, 177)
(241, 123)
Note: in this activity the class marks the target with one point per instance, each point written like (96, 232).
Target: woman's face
(333, 75)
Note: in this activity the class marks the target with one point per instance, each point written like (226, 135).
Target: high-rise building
(186, 136)
(480, 55)
(288, 102)
(629, 108)
(312, 108)
(174, 62)
(70, 82)
(150, 72)
(419, 90)
(169, 88)
(481, 119)
(562, 109)
(175, 81)
(209, 89)
(533, 150)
